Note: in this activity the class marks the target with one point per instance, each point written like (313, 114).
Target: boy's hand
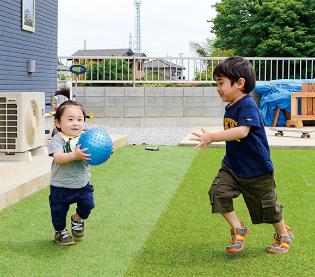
(79, 154)
(203, 137)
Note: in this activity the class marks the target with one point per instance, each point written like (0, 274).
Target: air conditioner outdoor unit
(22, 122)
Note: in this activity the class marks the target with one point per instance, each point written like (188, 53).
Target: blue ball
(99, 145)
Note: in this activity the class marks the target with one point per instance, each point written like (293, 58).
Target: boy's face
(229, 93)
(72, 121)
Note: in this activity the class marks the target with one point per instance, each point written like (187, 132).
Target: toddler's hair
(65, 91)
(235, 68)
(61, 109)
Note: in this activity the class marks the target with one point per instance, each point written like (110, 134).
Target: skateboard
(305, 133)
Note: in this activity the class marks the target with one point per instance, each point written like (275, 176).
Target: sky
(167, 26)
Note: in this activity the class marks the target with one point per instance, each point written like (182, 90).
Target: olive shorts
(258, 192)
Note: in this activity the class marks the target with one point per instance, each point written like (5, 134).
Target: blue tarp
(277, 94)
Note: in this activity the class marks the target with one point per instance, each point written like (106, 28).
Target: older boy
(246, 168)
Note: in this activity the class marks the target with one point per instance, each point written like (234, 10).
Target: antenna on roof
(137, 27)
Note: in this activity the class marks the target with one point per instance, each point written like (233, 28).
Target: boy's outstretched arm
(206, 138)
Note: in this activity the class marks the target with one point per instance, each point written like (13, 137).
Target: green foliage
(64, 76)
(205, 75)
(270, 28)
(108, 70)
(154, 77)
(207, 49)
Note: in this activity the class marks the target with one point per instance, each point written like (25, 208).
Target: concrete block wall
(152, 106)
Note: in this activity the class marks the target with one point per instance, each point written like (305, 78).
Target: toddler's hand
(203, 137)
(80, 154)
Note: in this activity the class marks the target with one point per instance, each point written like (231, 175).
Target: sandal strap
(286, 238)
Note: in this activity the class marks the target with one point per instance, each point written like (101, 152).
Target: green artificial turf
(131, 191)
(152, 218)
(189, 241)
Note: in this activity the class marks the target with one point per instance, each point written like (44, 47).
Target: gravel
(152, 135)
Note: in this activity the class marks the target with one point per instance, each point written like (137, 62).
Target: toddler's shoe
(77, 228)
(281, 244)
(238, 238)
(63, 237)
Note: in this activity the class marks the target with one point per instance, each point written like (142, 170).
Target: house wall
(152, 106)
(18, 46)
(139, 69)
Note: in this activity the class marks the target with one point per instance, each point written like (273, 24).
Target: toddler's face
(72, 121)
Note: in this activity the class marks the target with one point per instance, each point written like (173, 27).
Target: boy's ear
(241, 82)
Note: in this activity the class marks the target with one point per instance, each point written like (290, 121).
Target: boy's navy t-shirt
(250, 156)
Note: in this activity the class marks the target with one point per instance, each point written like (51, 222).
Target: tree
(207, 49)
(273, 28)
(108, 70)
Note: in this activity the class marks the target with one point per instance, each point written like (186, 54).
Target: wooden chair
(276, 116)
(307, 96)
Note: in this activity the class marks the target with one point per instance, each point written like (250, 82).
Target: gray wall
(148, 106)
(18, 46)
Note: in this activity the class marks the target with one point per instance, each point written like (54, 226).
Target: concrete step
(19, 179)
(119, 141)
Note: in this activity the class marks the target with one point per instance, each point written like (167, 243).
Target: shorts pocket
(271, 212)
(214, 187)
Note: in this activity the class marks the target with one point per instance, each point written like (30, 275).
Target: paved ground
(291, 139)
(181, 136)
(153, 135)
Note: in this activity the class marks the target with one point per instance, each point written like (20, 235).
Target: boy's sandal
(238, 239)
(281, 244)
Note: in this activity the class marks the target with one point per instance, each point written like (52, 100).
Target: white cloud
(167, 26)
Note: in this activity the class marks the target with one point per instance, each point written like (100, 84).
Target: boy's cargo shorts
(258, 192)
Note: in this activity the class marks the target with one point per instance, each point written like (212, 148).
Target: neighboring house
(165, 69)
(139, 64)
(104, 52)
(28, 45)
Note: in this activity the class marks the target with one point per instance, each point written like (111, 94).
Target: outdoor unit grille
(8, 123)
(21, 121)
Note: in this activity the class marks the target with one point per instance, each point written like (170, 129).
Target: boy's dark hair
(235, 68)
(60, 110)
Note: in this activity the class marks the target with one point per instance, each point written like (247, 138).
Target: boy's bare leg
(282, 239)
(280, 228)
(238, 233)
(232, 219)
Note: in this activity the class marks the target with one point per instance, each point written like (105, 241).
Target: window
(28, 15)
(139, 65)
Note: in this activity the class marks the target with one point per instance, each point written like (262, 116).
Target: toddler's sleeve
(55, 145)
